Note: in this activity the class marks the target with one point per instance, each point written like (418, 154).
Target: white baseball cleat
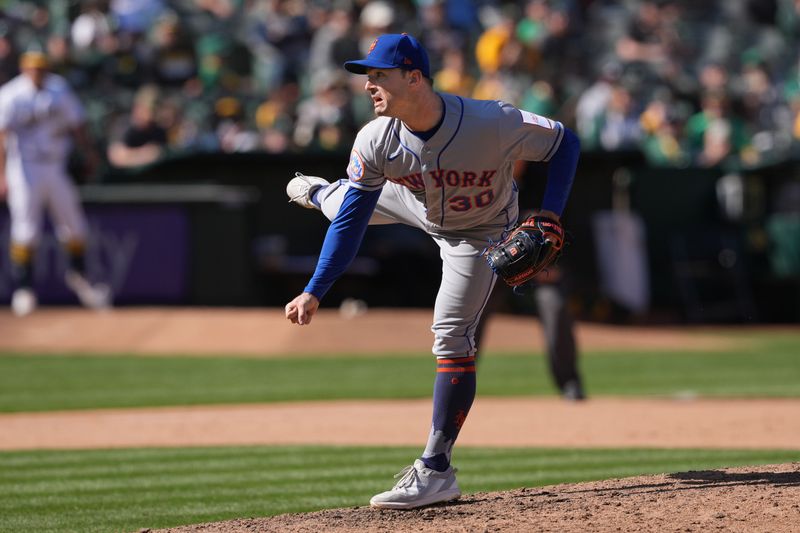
(92, 296)
(23, 301)
(419, 486)
(301, 187)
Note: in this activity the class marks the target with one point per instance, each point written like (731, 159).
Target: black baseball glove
(531, 247)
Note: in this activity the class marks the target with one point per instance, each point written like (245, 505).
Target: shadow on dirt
(700, 479)
(718, 477)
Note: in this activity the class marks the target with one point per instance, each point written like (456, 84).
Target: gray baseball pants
(467, 280)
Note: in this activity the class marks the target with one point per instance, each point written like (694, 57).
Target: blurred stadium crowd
(687, 82)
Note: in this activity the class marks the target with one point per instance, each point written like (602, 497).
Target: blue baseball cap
(393, 50)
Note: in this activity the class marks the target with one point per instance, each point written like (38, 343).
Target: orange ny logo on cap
(372, 46)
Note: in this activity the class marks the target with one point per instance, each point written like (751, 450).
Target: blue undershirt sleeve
(343, 239)
(561, 172)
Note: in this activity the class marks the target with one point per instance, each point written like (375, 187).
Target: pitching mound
(748, 499)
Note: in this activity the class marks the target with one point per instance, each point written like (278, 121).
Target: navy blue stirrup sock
(315, 196)
(453, 393)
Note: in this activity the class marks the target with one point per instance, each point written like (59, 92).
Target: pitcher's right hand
(302, 309)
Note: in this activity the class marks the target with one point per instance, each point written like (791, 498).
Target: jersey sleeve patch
(536, 120)
(355, 168)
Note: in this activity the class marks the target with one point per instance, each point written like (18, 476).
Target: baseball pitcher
(443, 164)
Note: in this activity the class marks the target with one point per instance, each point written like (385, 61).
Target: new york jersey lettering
(454, 178)
(415, 182)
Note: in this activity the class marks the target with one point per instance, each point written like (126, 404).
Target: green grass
(125, 490)
(764, 366)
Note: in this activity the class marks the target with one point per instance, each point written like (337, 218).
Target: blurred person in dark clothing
(438, 34)
(143, 141)
(275, 118)
(326, 121)
(765, 111)
(548, 294)
(32, 23)
(224, 64)
(174, 62)
(335, 41)
(233, 133)
(618, 127)
(279, 35)
(644, 41)
(8, 56)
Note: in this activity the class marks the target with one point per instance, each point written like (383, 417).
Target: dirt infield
(599, 422)
(745, 499)
(265, 332)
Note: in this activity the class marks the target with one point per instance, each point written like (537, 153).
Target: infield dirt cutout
(758, 498)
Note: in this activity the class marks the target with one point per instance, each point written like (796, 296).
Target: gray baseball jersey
(457, 186)
(463, 174)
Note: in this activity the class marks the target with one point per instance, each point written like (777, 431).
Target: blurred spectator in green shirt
(714, 133)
